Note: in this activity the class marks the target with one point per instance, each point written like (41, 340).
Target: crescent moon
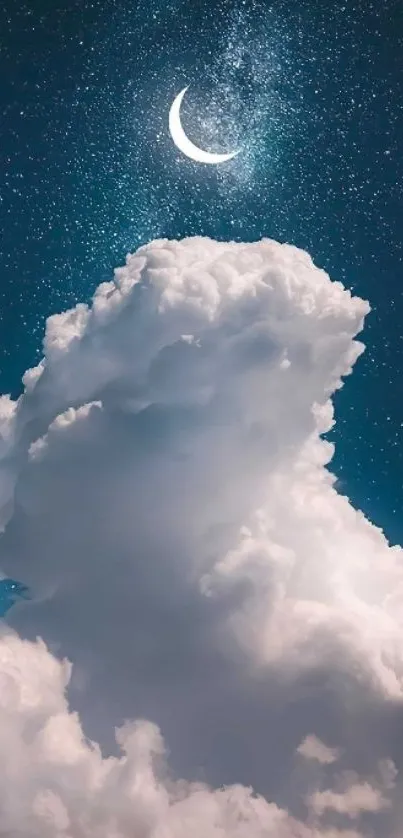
(184, 144)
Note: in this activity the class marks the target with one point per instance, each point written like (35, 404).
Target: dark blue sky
(312, 91)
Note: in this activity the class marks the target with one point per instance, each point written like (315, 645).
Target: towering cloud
(166, 499)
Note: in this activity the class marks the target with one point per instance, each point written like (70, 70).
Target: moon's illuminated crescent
(182, 141)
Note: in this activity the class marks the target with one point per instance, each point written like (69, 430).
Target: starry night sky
(313, 93)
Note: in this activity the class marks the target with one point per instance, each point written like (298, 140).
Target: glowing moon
(184, 144)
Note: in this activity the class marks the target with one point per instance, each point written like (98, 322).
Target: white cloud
(360, 797)
(165, 496)
(313, 748)
(55, 783)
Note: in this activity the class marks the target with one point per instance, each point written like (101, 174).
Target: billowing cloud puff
(56, 782)
(313, 748)
(166, 499)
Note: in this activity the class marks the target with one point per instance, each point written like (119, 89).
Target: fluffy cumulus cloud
(233, 624)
